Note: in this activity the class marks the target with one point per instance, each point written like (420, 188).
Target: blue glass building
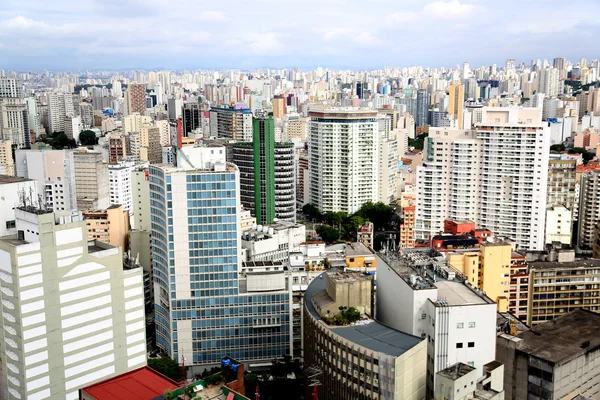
(203, 308)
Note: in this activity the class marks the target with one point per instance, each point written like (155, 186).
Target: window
(471, 344)
(471, 324)
(460, 325)
(459, 345)
(10, 224)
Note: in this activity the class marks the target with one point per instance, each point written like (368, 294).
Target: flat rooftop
(584, 263)
(357, 249)
(458, 294)
(4, 179)
(348, 277)
(456, 371)
(563, 338)
(371, 335)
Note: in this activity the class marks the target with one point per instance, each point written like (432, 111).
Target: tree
(559, 148)
(88, 138)
(419, 142)
(586, 155)
(328, 234)
(312, 211)
(351, 315)
(166, 366)
(381, 215)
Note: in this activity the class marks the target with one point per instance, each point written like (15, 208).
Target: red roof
(140, 384)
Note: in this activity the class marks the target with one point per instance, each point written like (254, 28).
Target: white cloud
(264, 43)
(216, 16)
(447, 9)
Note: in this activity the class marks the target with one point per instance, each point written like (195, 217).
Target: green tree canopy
(418, 142)
(166, 366)
(328, 234)
(559, 148)
(312, 211)
(586, 155)
(88, 138)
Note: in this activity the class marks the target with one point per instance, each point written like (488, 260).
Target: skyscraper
(456, 100)
(14, 121)
(267, 174)
(135, 99)
(231, 123)
(422, 107)
(496, 177)
(72, 315)
(343, 158)
(60, 105)
(207, 307)
(589, 209)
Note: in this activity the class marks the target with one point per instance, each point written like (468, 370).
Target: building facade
(72, 315)
(91, 180)
(231, 123)
(267, 174)
(343, 159)
(204, 309)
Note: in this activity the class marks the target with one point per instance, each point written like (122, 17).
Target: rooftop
(458, 294)
(371, 335)
(348, 277)
(140, 384)
(4, 179)
(563, 338)
(357, 249)
(456, 371)
(581, 263)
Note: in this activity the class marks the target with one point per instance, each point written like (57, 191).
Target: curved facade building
(364, 361)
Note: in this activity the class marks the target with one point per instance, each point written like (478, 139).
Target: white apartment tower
(60, 105)
(119, 178)
(54, 171)
(445, 185)
(548, 79)
(343, 158)
(495, 176)
(71, 314)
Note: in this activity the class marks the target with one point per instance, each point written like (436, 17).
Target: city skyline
(153, 34)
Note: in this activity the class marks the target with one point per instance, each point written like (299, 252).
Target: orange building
(407, 228)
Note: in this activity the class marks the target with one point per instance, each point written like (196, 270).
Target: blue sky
(352, 34)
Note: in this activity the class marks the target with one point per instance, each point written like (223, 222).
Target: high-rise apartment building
(140, 198)
(7, 163)
(456, 100)
(343, 158)
(60, 105)
(117, 147)
(422, 106)
(191, 117)
(561, 183)
(150, 148)
(496, 177)
(267, 174)
(54, 171)
(447, 183)
(205, 306)
(231, 123)
(14, 121)
(91, 180)
(119, 178)
(589, 209)
(135, 99)
(548, 79)
(72, 315)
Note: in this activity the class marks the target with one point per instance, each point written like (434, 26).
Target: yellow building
(109, 226)
(487, 268)
(278, 107)
(359, 256)
(456, 100)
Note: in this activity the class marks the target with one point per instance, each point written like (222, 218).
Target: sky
(74, 35)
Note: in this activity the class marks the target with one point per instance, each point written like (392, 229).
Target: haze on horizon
(348, 34)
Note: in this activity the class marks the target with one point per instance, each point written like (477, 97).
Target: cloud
(448, 9)
(216, 16)
(39, 34)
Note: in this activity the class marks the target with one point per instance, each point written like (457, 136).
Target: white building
(496, 178)
(388, 162)
(458, 321)
(548, 80)
(60, 105)
(119, 181)
(558, 225)
(272, 242)
(343, 158)
(54, 171)
(72, 316)
(13, 192)
(446, 187)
